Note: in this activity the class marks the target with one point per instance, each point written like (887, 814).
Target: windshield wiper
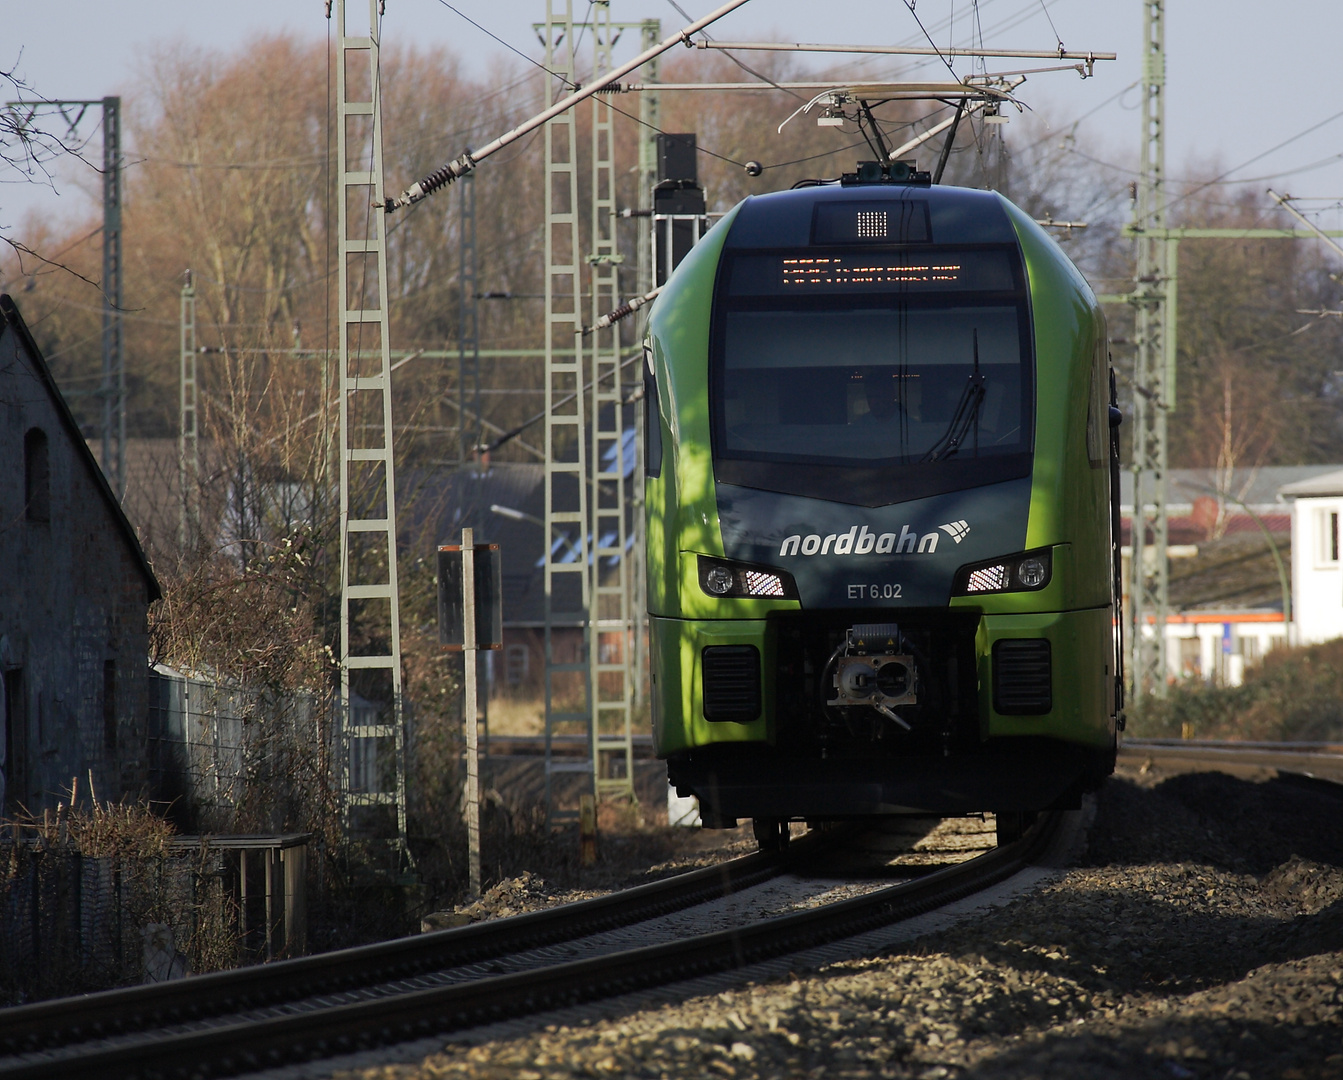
(966, 414)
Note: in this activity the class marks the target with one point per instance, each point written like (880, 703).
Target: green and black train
(881, 466)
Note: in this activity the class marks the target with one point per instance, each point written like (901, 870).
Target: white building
(1317, 576)
(1216, 645)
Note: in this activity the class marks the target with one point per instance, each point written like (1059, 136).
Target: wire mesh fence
(74, 923)
(239, 759)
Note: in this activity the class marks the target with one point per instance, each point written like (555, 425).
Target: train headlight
(988, 579)
(1027, 572)
(718, 581)
(1033, 572)
(720, 578)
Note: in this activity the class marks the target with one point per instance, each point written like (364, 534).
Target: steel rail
(230, 1049)
(63, 1021)
(1322, 760)
(1237, 744)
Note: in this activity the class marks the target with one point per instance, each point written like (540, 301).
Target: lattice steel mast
(468, 332)
(1153, 379)
(609, 629)
(188, 438)
(650, 115)
(367, 475)
(114, 345)
(567, 689)
(112, 389)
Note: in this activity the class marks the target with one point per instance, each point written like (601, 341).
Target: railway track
(328, 1006)
(1323, 761)
(71, 1021)
(395, 992)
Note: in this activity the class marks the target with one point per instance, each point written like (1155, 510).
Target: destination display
(806, 273)
(822, 272)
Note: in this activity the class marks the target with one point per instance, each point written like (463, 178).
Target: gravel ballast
(1200, 935)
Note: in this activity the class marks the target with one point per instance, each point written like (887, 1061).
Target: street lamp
(516, 515)
(522, 515)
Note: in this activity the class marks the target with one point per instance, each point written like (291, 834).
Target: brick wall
(74, 600)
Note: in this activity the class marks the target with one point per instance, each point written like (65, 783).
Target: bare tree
(1254, 377)
(28, 148)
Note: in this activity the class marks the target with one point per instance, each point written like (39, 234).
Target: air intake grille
(731, 682)
(1021, 677)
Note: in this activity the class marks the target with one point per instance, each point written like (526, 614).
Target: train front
(878, 507)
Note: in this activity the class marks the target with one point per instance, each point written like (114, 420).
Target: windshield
(850, 386)
(895, 377)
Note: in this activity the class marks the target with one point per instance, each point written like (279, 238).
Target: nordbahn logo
(957, 530)
(860, 540)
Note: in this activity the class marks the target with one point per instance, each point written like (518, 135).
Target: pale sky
(1243, 77)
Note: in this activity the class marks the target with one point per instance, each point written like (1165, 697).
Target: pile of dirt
(512, 896)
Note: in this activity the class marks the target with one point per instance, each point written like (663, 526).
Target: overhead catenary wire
(905, 50)
(1023, 15)
(458, 168)
(1050, 18)
(513, 433)
(615, 108)
(1250, 161)
(1009, 22)
(708, 41)
(910, 4)
(1201, 184)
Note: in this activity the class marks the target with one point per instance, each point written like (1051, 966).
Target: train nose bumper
(1027, 775)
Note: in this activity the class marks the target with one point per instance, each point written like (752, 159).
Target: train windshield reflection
(863, 386)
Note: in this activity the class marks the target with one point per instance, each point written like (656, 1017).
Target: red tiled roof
(1185, 530)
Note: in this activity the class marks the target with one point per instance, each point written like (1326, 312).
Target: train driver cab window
(895, 368)
(1327, 537)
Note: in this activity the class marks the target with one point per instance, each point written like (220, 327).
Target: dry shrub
(96, 830)
(79, 887)
(124, 831)
(253, 624)
(1294, 695)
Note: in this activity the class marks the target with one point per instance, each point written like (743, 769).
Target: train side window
(1098, 405)
(652, 419)
(1328, 537)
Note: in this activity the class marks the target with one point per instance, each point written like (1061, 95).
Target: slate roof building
(504, 503)
(75, 590)
(463, 499)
